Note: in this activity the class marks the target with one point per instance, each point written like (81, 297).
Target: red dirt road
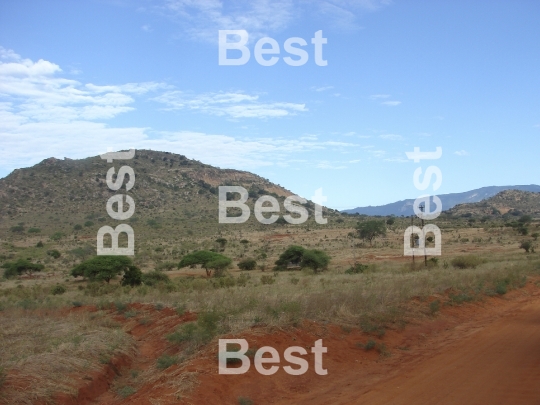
(499, 364)
(475, 354)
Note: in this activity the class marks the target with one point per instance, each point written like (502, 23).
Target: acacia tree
(103, 268)
(19, 267)
(370, 230)
(315, 259)
(299, 256)
(208, 260)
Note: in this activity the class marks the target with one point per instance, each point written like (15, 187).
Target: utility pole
(422, 207)
(412, 240)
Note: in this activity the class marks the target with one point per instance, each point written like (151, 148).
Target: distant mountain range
(405, 207)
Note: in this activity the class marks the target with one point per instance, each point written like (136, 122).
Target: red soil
(481, 353)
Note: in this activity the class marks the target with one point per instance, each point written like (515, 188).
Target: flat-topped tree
(208, 260)
(103, 267)
(19, 267)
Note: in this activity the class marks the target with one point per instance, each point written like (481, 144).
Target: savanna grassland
(60, 333)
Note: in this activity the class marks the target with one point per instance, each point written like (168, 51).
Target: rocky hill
(172, 194)
(506, 203)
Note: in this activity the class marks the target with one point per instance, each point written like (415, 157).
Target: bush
(126, 391)
(55, 254)
(34, 230)
(356, 268)
(165, 266)
(17, 229)
(267, 280)
(501, 288)
(197, 333)
(315, 259)
(244, 401)
(434, 306)
(58, 290)
(88, 223)
(526, 245)
(467, 262)
(57, 236)
(132, 276)
(39, 244)
(77, 227)
(297, 256)
(166, 361)
(247, 264)
(155, 277)
(292, 256)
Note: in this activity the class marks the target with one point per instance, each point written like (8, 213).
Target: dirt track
(483, 353)
(499, 364)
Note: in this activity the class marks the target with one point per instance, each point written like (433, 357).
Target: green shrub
(55, 254)
(247, 264)
(501, 288)
(58, 289)
(294, 280)
(77, 227)
(17, 229)
(315, 259)
(126, 391)
(77, 304)
(267, 280)
(34, 230)
(356, 268)
(88, 223)
(370, 345)
(197, 333)
(39, 244)
(467, 262)
(244, 401)
(165, 266)
(57, 236)
(133, 276)
(434, 306)
(155, 277)
(166, 361)
(526, 245)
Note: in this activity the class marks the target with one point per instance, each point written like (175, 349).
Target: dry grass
(43, 354)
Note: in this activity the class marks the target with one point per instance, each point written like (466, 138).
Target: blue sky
(79, 77)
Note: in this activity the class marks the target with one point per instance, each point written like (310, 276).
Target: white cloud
(43, 114)
(355, 161)
(233, 105)
(377, 153)
(379, 96)
(147, 28)
(324, 88)
(202, 19)
(461, 152)
(328, 165)
(391, 137)
(397, 160)
(391, 103)
(36, 91)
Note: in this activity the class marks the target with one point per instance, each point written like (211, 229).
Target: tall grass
(46, 354)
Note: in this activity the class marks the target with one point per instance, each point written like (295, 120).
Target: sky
(78, 78)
